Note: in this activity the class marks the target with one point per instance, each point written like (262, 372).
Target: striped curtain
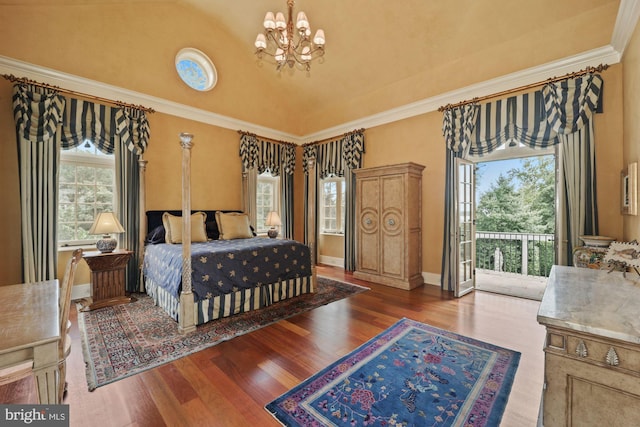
(570, 105)
(130, 141)
(259, 156)
(47, 122)
(338, 158)
(38, 116)
(559, 114)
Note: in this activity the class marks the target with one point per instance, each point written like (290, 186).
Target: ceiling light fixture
(288, 45)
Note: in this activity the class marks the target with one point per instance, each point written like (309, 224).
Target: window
(267, 199)
(332, 205)
(86, 187)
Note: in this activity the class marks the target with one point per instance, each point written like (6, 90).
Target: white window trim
(340, 230)
(262, 229)
(81, 159)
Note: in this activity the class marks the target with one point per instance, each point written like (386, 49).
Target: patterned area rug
(127, 339)
(412, 374)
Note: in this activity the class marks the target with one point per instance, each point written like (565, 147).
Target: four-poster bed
(224, 269)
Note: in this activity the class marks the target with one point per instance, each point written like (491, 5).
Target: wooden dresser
(592, 348)
(389, 225)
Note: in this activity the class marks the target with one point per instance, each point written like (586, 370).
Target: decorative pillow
(233, 225)
(173, 227)
(155, 236)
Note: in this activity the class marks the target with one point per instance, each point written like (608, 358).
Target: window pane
(86, 187)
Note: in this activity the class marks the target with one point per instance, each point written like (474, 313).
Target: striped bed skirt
(227, 305)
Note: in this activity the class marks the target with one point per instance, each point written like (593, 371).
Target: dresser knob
(367, 221)
(391, 222)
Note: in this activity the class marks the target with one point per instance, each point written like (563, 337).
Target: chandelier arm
(284, 46)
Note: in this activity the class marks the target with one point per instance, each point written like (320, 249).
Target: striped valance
(40, 112)
(334, 156)
(266, 155)
(533, 119)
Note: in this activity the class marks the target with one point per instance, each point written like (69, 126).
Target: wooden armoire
(389, 225)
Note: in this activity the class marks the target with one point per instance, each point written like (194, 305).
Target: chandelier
(287, 44)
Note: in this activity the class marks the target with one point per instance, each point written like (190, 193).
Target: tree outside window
(86, 188)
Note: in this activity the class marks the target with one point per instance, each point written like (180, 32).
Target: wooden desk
(30, 330)
(108, 278)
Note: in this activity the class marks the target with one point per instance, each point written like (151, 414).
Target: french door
(465, 227)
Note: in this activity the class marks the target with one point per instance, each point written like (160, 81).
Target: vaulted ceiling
(380, 54)
(392, 53)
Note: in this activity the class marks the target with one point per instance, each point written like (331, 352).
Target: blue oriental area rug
(412, 374)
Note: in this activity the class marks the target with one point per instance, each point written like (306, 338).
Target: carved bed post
(186, 321)
(142, 219)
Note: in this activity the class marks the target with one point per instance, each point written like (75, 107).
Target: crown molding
(80, 84)
(605, 55)
(626, 21)
(592, 58)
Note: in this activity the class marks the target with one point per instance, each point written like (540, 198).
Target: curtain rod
(587, 70)
(241, 132)
(24, 80)
(334, 137)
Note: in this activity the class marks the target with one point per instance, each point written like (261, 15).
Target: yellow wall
(631, 64)
(216, 179)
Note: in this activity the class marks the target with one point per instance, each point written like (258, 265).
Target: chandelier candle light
(289, 46)
(105, 224)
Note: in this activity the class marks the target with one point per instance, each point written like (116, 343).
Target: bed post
(142, 220)
(311, 215)
(186, 320)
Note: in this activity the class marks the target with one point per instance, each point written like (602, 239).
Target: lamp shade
(273, 219)
(106, 223)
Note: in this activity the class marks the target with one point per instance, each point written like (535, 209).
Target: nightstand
(108, 278)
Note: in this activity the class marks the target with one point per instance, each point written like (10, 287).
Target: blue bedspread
(223, 266)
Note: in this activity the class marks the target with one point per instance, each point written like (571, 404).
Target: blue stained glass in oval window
(192, 74)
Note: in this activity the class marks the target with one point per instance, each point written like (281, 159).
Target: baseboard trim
(432, 279)
(332, 261)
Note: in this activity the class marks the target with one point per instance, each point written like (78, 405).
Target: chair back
(65, 291)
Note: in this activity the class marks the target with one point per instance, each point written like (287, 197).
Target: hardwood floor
(229, 384)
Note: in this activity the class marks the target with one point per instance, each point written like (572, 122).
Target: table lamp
(273, 220)
(105, 224)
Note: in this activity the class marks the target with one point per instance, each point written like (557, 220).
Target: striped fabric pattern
(267, 155)
(37, 112)
(43, 116)
(458, 125)
(580, 94)
(560, 113)
(101, 124)
(227, 305)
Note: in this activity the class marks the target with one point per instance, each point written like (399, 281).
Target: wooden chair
(65, 307)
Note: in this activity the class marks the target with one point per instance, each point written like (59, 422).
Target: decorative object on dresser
(107, 278)
(623, 255)
(389, 225)
(592, 348)
(273, 221)
(592, 254)
(411, 374)
(106, 223)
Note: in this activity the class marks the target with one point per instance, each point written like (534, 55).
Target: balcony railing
(528, 254)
